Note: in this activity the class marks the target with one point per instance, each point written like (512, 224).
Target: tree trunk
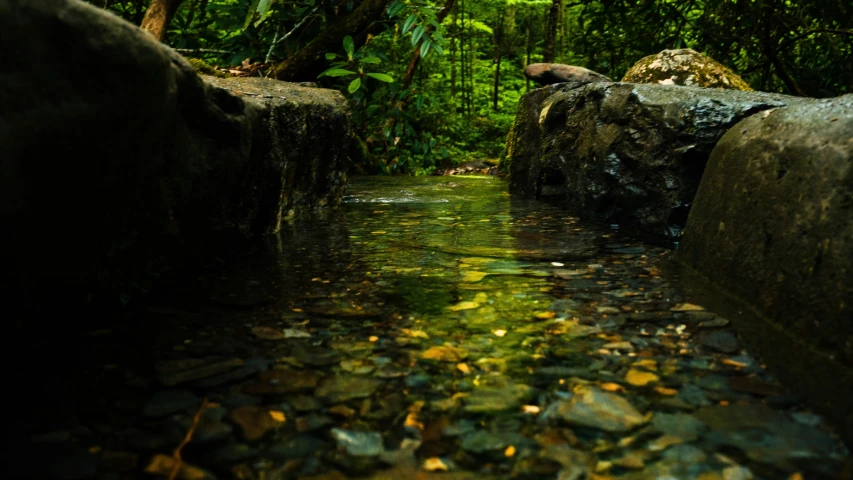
(416, 56)
(158, 16)
(551, 32)
(308, 62)
(498, 41)
(453, 65)
(528, 46)
(463, 72)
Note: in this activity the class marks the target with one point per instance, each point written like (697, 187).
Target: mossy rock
(684, 67)
(205, 68)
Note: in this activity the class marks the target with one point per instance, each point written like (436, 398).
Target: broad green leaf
(409, 22)
(437, 37)
(417, 34)
(264, 7)
(337, 72)
(252, 9)
(331, 56)
(349, 46)
(372, 110)
(438, 48)
(425, 45)
(371, 60)
(354, 85)
(381, 77)
(395, 8)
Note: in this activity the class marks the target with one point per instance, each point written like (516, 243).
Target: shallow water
(435, 327)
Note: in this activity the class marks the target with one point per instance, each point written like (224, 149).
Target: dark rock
(680, 425)
(340, 388)
(170, 401)
(147, 161)
(624, 154)
(721, 341)
(768, 436)
(254, 421)
(279, 381)
(772, 226)
(297, 446)
(684, 67)
(549, 73)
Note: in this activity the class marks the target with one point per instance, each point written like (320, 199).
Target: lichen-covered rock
(772, 225)
(119, 162)
(550, 73)
(621, 153)
(684, 67)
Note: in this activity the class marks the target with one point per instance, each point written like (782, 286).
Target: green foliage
(458, 105)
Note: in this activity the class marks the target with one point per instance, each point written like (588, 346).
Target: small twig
(276, 40)
(176, 467)
(200, 50)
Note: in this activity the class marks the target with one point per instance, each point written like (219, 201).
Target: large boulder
(620, 153)
(550, 73)
(119, 161)
(772, 226)
(684, 67)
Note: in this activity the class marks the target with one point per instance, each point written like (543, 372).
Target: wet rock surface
(550, 73)
(781, 240)
(556, 350)
(154, 170)
(685, 67)
(620, 153)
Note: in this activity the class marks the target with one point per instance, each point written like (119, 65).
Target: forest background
(434, 83)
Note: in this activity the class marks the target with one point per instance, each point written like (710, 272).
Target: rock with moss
(772, 226)
(685, 67)
(205, 68)
(121, 163)
(622, 153)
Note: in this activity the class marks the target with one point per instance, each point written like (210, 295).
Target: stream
(429, 328)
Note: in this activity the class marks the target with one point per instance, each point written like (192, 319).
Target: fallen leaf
(295, 333)
(687, 307)
(434, 464)
(499, 333)
(464, 306)
(664, 442)
(647, 363)
(373, 339)
(277, 415)
(733, 363)
(510, 451)
(546, 315)
(666, 391)
(267, 333)
(163, 465)
(414, 333)
(612, 387)
(412, 421)
(445, 353)
(639, 378)
(473, 276)
(464, 368)
(531, 409)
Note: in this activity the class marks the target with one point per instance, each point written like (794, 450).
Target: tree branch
(792, 40)
(307, 63)
(276, 40)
